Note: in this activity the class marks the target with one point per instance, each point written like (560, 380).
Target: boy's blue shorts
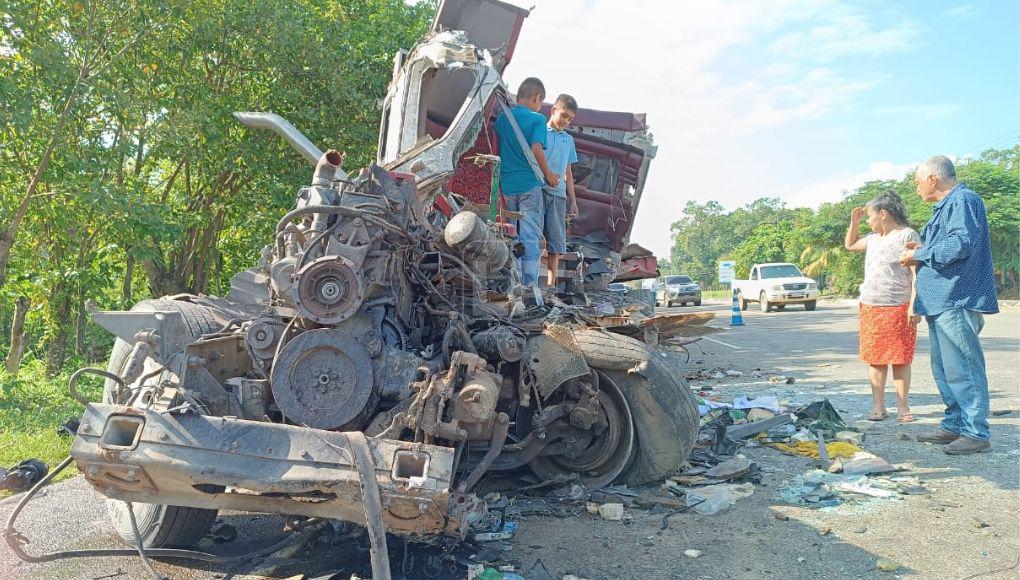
(555, 224)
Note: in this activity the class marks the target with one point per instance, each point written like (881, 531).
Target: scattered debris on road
(22, 476)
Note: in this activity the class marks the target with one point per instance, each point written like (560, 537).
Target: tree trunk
(18, 336)
(129, 272)
(56, 348)
(79, 330)
(56, 353)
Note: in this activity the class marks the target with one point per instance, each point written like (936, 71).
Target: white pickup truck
(776, 285)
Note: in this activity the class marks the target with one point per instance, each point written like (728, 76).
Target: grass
(715, 294)
(33, 406)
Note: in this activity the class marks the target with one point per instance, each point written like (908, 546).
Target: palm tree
(817, 259)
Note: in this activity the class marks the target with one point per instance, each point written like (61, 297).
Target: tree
(765, 244)
(79, 39)
(120, 148)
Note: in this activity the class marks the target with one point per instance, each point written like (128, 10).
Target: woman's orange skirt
(887, 337)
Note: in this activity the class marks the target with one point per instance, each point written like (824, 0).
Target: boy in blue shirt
(560, 154)
(521, 188)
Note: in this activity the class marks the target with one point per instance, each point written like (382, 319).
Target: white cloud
(835, 187)
(846, 33)
(962, 11)
(713, 76)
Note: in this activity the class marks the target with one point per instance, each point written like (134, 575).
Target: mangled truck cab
(381, 363)
(438, 121)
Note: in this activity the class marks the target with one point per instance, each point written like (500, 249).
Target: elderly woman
(888, 323)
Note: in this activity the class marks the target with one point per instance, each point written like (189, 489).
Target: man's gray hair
(940, 166)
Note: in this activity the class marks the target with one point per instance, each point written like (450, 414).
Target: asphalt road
(969, 523)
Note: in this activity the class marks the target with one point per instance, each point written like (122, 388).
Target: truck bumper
(684, 297)
(793, 296)
(143, 456)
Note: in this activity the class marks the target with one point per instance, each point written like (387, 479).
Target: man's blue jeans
(958, 366)
(529, 230)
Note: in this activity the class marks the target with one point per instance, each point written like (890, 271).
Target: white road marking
(721, 342)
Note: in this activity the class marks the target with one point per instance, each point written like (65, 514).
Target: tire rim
(606, 455)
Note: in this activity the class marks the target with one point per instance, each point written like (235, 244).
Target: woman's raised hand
(857, 214)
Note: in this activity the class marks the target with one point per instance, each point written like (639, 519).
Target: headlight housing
(777, 288)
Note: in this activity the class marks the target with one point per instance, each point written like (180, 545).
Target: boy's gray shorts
(555, 229)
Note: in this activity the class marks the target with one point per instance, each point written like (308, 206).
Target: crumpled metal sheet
(555, 358)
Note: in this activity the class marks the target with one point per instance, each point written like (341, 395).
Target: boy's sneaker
(966, 446)
(940, 436)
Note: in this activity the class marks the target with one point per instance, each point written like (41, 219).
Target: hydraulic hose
(72, 383)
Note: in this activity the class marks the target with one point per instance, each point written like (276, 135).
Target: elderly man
(955, 288)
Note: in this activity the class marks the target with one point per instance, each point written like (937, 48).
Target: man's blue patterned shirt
(955, 258)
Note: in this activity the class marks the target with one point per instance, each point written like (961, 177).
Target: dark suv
(678, 289)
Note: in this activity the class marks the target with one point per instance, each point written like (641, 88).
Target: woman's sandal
(876, 416)
(905, 417)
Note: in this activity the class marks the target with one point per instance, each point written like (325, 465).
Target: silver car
(678, 289)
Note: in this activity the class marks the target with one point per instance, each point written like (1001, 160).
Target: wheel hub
(597, 454)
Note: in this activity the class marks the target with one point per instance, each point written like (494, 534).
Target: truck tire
(740, 300)
(160, 526)
(664, 410)
(763, 303)
(697, 302)
(810, 305)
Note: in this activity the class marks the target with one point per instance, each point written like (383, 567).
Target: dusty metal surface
(264, 467)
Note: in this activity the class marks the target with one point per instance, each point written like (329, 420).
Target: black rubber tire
(810, 305)
(663, 407)
(697, 302)
(743, 303)
(763, 303)
(161, 526)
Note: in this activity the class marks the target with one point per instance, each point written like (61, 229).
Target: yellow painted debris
(836, 449)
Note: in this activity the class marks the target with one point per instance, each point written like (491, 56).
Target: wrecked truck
(382, 363)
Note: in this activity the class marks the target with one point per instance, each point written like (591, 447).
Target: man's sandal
(905, 417)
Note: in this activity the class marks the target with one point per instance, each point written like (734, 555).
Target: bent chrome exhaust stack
(280, 126)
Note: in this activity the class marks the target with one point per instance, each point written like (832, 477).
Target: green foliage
(153, 187)
(767, 231)
(765, 244)
(33, 406)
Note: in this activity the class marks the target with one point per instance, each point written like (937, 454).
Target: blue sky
(798, 99)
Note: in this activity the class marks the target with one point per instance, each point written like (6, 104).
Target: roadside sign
(726, 268)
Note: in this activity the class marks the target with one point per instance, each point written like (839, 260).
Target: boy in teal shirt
(521, 188)
(560, 154)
